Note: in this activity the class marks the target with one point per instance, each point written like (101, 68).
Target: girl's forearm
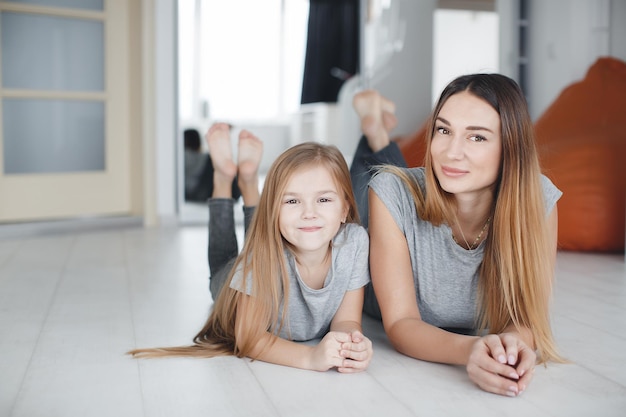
(347, 326)
(273, 349)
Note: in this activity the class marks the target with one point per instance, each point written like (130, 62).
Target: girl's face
(466, 147)
(312, 210)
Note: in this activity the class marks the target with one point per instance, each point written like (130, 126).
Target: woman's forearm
(420, 340)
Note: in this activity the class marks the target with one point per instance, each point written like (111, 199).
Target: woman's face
(466, 146)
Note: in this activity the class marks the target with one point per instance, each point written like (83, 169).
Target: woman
(462, 250)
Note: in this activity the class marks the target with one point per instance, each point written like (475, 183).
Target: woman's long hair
(263, 262)
(515, 278)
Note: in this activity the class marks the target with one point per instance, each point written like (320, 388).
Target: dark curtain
(332, 51)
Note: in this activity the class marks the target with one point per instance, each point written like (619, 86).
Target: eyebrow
(444, 121)
(296, 194)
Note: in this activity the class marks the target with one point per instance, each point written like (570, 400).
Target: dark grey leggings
(361, 171)
(223, 247)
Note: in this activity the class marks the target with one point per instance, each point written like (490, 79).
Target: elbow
(394, 334)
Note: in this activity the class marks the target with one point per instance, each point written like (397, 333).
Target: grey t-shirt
(445, 274)
(311, 311)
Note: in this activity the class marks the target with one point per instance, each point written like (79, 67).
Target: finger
(525, 380)
(341, 337)
(357, 336)
(333, 359)
(358, 347)
(349, 370)
(351, 366)
(502, 386)
(512, 355)
(526, 362)
(488, 364)
(493, 383)
(355, 355)
(496, 348)
(512, 347)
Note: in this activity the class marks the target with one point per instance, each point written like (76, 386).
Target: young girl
(303, 268)
(466, 245)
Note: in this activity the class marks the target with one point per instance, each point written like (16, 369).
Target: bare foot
(220, 151)
(377, 117)
(250, 151)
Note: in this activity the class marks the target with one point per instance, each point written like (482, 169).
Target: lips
(453, 172)
(310, 228)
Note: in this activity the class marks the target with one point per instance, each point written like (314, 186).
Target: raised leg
(375, 147)
(222, 247)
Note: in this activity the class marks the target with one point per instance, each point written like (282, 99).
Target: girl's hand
(348, 352)
(357, 353)
(502, 364)
(327, 353)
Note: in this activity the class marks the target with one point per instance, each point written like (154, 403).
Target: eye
(443, 131)
(324, 200)
(477, 138)
(291, 201)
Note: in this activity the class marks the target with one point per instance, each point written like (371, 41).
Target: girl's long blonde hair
(515, 278)
(262, 261)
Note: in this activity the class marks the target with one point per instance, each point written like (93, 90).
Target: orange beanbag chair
(582, 146)
(413, 147)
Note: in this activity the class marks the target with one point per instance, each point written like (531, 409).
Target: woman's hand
(348, 352)
(501, 363)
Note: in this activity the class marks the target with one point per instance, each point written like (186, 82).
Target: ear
(346, 209)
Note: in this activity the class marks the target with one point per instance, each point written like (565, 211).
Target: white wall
(406, 75)
(509, 37)
(618, 29)
(566, 38)
(464, 42)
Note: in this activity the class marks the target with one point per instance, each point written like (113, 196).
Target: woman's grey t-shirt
(311, 311)
(445, 274)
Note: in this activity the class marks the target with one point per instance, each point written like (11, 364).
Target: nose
(455, 147)
(309, 210)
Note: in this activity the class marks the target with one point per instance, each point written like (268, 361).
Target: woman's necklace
(475, 243)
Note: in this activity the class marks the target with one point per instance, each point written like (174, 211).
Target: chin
(451, 186)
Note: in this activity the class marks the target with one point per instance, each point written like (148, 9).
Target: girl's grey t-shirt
(445, 275)
(311, 311)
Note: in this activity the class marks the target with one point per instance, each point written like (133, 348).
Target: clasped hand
(501, 363)
(348, 352)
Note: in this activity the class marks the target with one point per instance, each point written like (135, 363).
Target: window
(241, 59)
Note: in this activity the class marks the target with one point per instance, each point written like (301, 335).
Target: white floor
(72, 303)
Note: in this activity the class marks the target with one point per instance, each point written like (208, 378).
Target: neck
(472, 221)
(314, 268)
(472, 212)
(313, 259)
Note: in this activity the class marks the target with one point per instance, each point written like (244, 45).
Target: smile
(310, 228)
(453, 172)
